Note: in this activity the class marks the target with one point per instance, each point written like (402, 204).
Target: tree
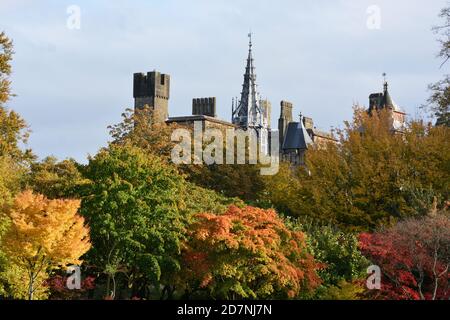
(414, 257)
(133, 205)
(138, 129)
(44, 235)
(13, 129)
(4, 225)
(13, 132)
(138, 207)
(15, 281)
(246, 253)
(56, 179)
(10, 180)
(344, 290)
(439, 101)
(6, 53)
(337, 251)
(444, 31)
(372, 177)
(242, 181)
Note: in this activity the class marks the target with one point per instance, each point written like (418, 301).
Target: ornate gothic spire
(248, 112)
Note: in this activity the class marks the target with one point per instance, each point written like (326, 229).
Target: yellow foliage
(44, 235)
(344, 291)
(17, 280)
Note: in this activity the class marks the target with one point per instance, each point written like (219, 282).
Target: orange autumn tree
(44, 235)
(246, 253)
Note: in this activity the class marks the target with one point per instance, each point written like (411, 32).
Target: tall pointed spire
(248, 112)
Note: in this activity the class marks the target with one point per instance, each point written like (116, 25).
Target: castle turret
(383, 100)
(152, 90)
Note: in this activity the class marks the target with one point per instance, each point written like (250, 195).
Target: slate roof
(389, 102)
(296, 137)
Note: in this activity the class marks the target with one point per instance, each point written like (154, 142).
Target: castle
(250, 112)
(383, 100)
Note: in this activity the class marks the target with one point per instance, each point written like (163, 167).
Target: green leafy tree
(56, 179)
(13, 133)
(338, 252)
(342, 264)
(6, 54)
(138, 207)
(13, 129)
(344, 291)
(133, 206)
(10, 180)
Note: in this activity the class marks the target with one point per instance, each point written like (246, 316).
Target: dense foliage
(6, 54)
(142, 228)
(247, 253)
(371, 178)
(44, 235)
(138, 208)
(133, 205)
(414, 257)
(439, 101)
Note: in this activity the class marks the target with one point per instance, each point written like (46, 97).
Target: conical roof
(248, 112)
(297, 136)
(388, 102)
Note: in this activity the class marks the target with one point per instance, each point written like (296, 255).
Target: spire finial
(385, 83)
(250, 39)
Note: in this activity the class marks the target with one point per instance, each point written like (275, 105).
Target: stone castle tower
(152, 90)
(383, 100)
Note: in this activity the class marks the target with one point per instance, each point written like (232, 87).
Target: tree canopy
(371, 177)
(247, 253)
(44, 235)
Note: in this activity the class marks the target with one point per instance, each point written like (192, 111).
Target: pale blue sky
(320, 55)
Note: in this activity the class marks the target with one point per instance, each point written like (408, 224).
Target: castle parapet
(204, 107)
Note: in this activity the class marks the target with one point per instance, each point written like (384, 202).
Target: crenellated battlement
(152, 90)
(204, 107)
